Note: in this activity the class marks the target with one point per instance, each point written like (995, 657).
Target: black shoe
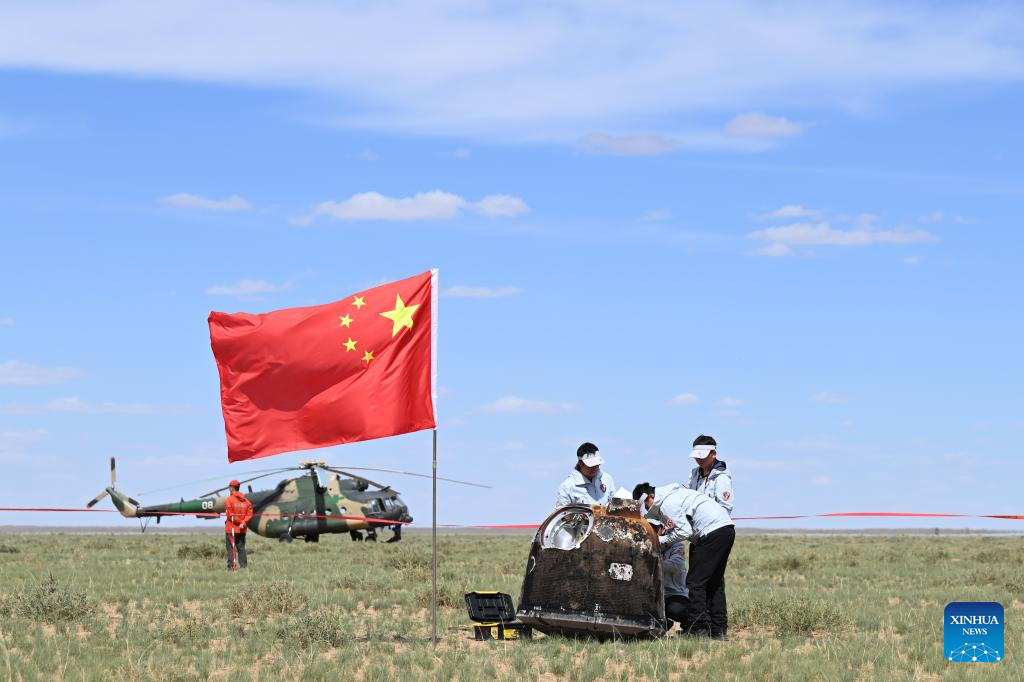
(698, 633)
(720, 636)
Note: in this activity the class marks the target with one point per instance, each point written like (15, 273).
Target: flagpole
(433, 535)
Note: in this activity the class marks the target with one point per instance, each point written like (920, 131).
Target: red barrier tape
(387, 522)
(204, 515)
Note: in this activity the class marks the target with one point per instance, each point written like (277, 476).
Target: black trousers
(238, 549)
(676, 609)
(706, 580)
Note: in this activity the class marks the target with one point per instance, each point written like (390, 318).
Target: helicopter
(301, 506)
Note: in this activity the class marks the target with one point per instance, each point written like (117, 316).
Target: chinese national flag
(355, 369)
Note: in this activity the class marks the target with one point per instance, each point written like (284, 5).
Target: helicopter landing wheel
(371, 536)
(312, 538)
(356, 536)
(285, 537)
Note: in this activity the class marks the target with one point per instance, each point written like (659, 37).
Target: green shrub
(268, 599)
(51, 602)
(321, 627)
(784, 563)
(193, 631)
(9, 549)
(203, 551)
(792, 615)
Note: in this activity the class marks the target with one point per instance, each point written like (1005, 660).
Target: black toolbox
(495, 616)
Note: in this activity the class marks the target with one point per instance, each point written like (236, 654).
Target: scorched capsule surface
(595, 571)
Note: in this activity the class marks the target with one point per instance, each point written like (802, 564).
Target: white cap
(592, 459)
(702, 451)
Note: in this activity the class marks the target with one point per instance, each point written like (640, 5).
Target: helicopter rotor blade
(358, 478)
(410, 473)
(113, 472)
(93, 501)
(212, 478)
(271, 473)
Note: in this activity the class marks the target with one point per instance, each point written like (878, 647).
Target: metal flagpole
(433, 535)
(433, 468)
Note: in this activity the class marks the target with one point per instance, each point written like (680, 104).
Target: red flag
(355, 369)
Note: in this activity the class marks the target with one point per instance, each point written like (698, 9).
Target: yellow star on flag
(401, 316)
(350, 344)
(367, 356)
(358, 302)
(346, 321)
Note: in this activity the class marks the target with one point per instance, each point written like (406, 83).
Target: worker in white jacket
(688, 515)
(587, 484)
(711, 476)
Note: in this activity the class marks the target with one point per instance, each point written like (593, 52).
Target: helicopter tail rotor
(113, 483)
(125, 504)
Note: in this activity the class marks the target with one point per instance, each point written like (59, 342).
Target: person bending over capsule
(687, 515)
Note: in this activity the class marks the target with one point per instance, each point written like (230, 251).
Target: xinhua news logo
(973, 632)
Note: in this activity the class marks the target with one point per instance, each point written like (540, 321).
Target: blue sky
(793, 226)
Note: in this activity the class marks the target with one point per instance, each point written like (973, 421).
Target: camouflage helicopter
(301, 506)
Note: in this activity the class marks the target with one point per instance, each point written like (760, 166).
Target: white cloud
(14, 373)
(829, 397)
(183, 200)
(15, 435)
(434, 205)
(730, 402)
(933, 217)
(762, 126)
(791, 211)
(462, 291)
(500, 206)
(516, 405)
(779, 241)
(6, 322)
(684, 399)
(774, 250)
(246, 287)
(80, 406)
(656, 215)
(626, 145)
(528, 70)
(513, 446)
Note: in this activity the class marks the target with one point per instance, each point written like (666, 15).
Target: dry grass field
(162, 607)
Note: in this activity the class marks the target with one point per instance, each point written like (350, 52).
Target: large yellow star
(367, 356)
(401, 316)
(358, 302)
(350, 344)
(346, 321)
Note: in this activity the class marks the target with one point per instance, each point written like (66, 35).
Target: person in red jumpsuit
(237, 514)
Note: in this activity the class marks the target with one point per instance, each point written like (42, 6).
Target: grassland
(162, 607)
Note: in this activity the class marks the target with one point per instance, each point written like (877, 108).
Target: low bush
(50, 601)
(192, 632)
(783, 563)
(321, 627)
(268, 599)
(792, 616)
(203, 551)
